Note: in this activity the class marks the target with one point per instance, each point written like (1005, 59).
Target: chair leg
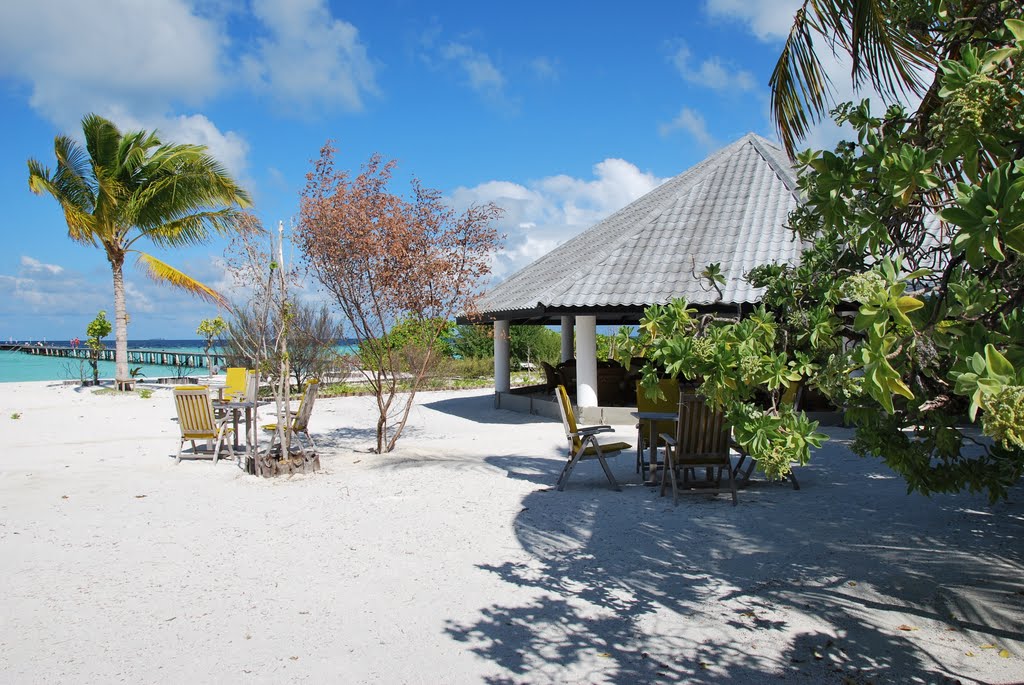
(732, 485)
(181, 448)
(607, 471)
(567, 469)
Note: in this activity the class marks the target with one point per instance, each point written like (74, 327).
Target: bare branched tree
(388, 259)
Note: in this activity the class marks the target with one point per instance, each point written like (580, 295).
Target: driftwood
(270, 465)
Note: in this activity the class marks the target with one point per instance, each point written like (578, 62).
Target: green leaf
(997, 364)
(909, 304)
(1016, 27)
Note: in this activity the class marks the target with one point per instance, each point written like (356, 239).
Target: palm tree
(891, 46)
(121, 188)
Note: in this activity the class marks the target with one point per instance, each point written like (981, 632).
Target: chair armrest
(670, 440)
(593, 430)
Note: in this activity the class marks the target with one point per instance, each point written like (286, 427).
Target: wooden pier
(189, 360)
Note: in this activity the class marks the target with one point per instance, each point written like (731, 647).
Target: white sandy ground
(453, 560)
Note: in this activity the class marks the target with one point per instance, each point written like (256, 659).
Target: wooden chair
(197, 422)
(669, 403)
(234, 383)
(701, 442)
(300, 419)
(583, 443)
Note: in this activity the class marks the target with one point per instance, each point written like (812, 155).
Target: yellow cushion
(607, 449)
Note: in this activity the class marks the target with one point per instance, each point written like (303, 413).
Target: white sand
(453, 561)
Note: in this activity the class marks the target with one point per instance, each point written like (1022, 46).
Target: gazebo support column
(586, 362)
(502, 370)
(567, 338)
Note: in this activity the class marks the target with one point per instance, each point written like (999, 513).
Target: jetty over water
(177, 358)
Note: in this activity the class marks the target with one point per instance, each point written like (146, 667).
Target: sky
(560, 113)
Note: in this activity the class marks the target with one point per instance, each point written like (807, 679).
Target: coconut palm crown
(122, 188)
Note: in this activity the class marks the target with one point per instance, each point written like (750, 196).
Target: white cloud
(229, 148)
(544, 213)
(769, 20)
(712, 72)
(309, 59)
(692, 122)
(31, 265)
(480, 72)
(137, 55)
(544, 68)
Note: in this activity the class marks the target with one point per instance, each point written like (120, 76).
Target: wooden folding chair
(701, 442)
(583, 443)
(197, 422)
(298, 421)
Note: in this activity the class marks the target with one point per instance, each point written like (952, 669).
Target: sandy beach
(453, 560)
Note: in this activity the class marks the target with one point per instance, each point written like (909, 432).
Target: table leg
(652, 454)
(234, 421)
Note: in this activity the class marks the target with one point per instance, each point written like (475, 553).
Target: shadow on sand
(849, 580)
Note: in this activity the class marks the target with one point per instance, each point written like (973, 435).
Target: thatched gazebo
(730, 208)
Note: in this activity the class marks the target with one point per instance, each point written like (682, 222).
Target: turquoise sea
(19, 366)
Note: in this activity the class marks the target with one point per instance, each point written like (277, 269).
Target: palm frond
(161, 272)
(74, 200)
(192, 229)
(888, 56)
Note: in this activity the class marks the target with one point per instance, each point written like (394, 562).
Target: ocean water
(19, 366)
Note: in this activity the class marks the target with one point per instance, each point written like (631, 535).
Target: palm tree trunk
(120, 325)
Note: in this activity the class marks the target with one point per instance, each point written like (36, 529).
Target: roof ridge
(783, 170)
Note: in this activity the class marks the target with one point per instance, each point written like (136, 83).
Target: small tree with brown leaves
(388, 259)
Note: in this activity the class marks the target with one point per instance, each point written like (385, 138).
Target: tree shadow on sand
(820, 585)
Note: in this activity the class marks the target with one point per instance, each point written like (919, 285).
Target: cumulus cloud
(712, 72)
(542, 214)
(140, 56)
(693, 123)
(769, 20)
(308, 58)
(142, 64)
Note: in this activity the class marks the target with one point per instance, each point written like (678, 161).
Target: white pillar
(586, 361)
(502, 374)
(567, 341)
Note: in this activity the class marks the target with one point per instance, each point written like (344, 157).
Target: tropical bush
(907, 308)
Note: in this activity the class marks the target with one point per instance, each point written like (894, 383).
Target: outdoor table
(236, 407)
(652, 417)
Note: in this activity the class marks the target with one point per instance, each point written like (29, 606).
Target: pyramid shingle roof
(730, 208)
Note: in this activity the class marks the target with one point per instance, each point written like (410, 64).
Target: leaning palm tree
(122, 188)
(890, 43)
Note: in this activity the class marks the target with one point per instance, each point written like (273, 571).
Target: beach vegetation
(261, 329)
(121, 189)
(527, 344)
(907, 308)
(392, 263)
(15, 416)
(145, 393)
(97, 329)
(211, 331)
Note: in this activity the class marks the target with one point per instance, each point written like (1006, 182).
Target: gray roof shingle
(730, 208)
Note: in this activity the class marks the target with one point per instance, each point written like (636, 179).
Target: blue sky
(559, 112)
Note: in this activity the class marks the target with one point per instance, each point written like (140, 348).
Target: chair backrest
(252, 384)
(234, 381)
(701, 433)
(195, 411)
(568, 417)
(550, 375)
(301, 421)
(669, 403)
